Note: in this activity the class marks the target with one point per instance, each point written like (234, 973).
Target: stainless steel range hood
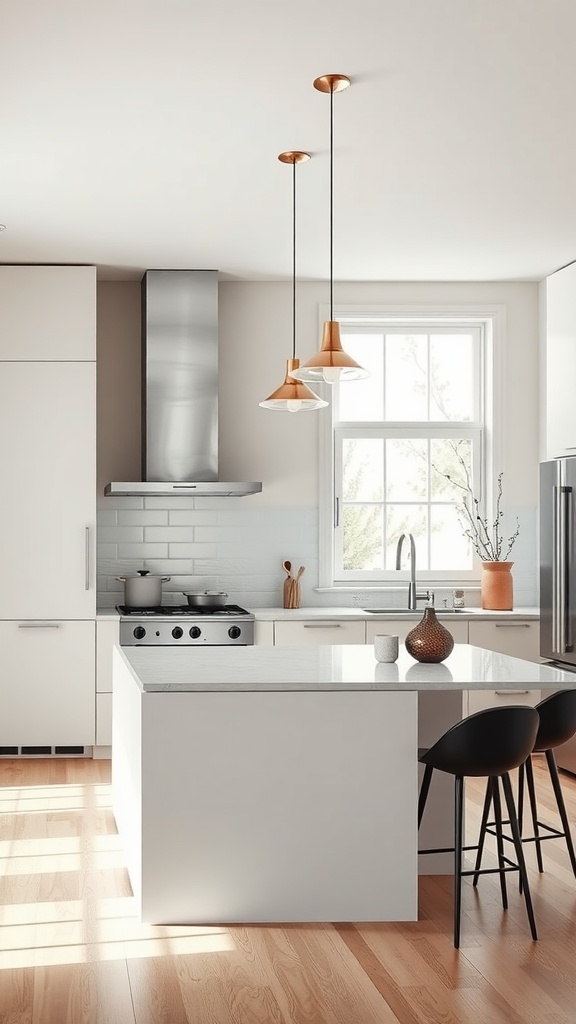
(180, 388)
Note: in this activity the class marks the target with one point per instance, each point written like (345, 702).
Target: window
(403, 442)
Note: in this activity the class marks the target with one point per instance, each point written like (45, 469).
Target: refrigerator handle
(562, 497)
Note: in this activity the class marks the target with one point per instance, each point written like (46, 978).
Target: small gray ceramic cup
(385, 647)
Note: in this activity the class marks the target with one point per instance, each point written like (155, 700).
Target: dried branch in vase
(486, 538)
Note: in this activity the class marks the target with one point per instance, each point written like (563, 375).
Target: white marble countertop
(360, 614)
(324, 668)
(298, 614)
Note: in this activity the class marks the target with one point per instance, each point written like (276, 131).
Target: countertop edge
(360, 615)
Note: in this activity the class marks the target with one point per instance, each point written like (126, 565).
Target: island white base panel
(267, 807)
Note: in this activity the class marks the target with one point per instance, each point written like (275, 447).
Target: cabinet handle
(321, 625)
(510, 691)
(512, 625)
(87, 558)
(38, 625)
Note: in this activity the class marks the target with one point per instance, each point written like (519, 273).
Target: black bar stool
(557, 724)
(488, 744)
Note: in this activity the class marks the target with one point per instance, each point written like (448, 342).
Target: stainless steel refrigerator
(558, 575)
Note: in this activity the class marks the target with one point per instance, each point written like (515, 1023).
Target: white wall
(238, 544)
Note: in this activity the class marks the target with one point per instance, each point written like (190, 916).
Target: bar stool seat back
(557, 720)
(489, 743)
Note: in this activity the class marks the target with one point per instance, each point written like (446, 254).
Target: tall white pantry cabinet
(47, 506)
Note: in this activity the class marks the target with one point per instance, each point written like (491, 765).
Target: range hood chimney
(180, 388)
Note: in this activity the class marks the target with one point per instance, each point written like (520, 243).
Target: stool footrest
(554, 833)
(446, 849)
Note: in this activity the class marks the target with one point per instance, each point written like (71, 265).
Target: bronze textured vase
(429, 641)
(496, 586)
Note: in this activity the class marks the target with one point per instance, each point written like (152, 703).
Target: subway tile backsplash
(220, 544)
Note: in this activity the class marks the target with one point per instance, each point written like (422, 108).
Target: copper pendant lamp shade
(331, 363)
(293, 395)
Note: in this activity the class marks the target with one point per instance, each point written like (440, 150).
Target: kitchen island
(280, 784)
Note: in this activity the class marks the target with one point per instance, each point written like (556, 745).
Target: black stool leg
(458, 822)
(424, 792)
(500, 842)
(507, 786)
(521, 777)
(483, 824)
(534, 810)
(561, 806)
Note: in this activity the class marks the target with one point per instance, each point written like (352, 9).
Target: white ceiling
(140, 134)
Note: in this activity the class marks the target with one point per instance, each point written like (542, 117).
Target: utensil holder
(291, 593)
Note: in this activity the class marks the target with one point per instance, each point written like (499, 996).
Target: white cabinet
(47, 313)
(264, 633)
(519, 640)
(107, 634)
(48, 505)
(560, 363)
(47, 687)
(319, 631)
(48, 474)
(478, 700)
(401, 628)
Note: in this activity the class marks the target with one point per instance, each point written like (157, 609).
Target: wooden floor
(72, 950)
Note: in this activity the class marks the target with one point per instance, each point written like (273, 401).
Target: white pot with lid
(143, 590)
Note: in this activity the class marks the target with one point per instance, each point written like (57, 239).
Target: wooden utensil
(287, 566)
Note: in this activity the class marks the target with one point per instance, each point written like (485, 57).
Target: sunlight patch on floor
(50, 799)
(80, 953)
(76, 931)
(72, 931)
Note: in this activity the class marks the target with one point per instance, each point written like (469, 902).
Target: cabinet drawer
(47, 692)
(401, 628)
(321, 631)
(478, 700)
(516, 638)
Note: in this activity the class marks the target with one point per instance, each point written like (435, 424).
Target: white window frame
(491, 320)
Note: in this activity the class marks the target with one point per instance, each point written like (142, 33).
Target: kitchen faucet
(413, 595)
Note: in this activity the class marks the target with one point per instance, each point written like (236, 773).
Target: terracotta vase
(429, 641)
(496, 586)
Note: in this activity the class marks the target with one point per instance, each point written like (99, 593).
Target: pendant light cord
(332, 203)
(294, 260)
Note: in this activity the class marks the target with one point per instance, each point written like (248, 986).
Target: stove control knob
(195, 632)
(234, 632)
(177, 632)
(139, 633)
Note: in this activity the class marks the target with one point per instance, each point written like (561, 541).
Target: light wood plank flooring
(73, 952)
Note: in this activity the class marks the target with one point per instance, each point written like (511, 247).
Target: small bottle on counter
(458, 599)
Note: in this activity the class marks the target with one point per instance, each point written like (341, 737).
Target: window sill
(378, 588)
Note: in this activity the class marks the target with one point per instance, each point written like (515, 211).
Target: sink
(412, 611)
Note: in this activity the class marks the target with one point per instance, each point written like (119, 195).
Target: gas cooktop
(168, 625)
(182, 609)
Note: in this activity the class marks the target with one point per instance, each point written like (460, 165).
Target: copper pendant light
(331, 363)
(293, 395)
